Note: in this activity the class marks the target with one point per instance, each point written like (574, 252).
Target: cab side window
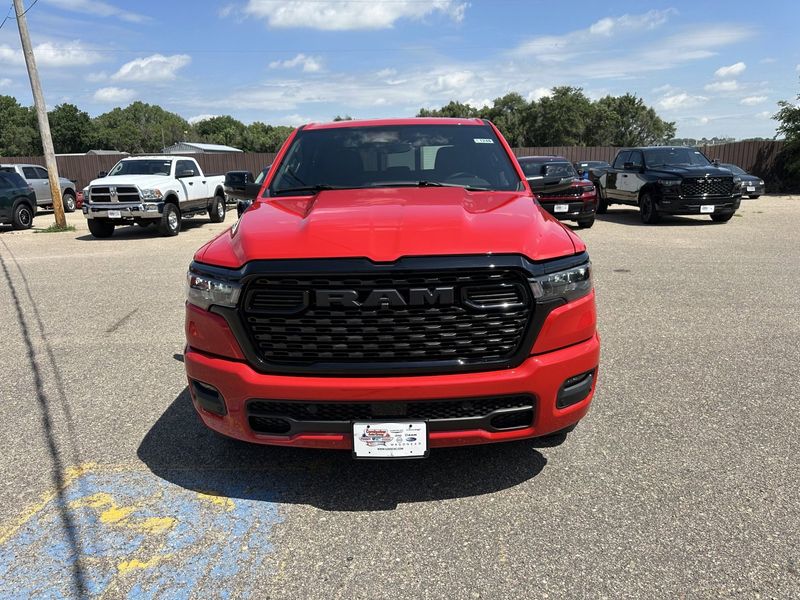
(621, 159)
(636, 159)
(31, 173)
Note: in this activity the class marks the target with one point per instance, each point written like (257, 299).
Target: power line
(25, 12)
(8, 15)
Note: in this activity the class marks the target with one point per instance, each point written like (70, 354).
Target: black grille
(122, 194)
(707, 186)
(572, 192)
(279, 417)
(486, 323)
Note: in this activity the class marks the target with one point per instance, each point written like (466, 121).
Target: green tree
(562, 118)
(220, 130)
(342, 118)
(71, 128)
(513, 116)
(452, 109)
(260, 137)
(19, 133)
(636, 123)
(139, 127)
(789, 118)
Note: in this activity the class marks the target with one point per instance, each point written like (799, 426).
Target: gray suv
(36, 176)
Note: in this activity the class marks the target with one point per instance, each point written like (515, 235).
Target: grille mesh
(285, 325)
(712, 186)
(123, 194)
(354, 411)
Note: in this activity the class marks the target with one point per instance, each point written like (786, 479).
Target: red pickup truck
(394, 276)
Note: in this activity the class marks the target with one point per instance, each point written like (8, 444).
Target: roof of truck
(384, 122)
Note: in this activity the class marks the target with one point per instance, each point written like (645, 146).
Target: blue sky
(716, 68)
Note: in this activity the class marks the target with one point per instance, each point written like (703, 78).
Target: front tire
(170, 224)
(586, 223)
(721, 217)
(101, 228)
(756, 197)
(602, 202)
(647, 210)
(23, 216)
(69, 203)
(216, 211)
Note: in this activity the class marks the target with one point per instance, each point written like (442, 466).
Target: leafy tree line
(137, 128)
(567, 117)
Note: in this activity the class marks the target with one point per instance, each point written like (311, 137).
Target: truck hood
(387, 224)
(141, 181)
(709, 171)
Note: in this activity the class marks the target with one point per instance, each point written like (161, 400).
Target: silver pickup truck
(152, 190)
(36, 176)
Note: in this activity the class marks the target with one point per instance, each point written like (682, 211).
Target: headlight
(86, 194)
(570, 284)
(669, 182)
(153, 194)
(760, 182)
(204, 291)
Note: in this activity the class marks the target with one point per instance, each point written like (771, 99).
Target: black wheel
(586, 223)
(101, 228)
(68, 200)
(23, 216)
(217, 209)
(170, 221)
(755, 197)
(647, 209)
(721, 217)
(602, 202)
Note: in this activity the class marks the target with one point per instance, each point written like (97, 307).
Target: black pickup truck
(670, 180)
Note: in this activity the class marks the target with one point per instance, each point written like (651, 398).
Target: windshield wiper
(313, 189)
(425, 183)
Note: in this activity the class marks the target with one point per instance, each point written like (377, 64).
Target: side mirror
(241, 206)
(102, 174)
(184, 173)
(629, 166)
(715, 162)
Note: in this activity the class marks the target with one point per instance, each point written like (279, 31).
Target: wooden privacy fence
(756, 157)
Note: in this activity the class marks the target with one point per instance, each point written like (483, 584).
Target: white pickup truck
(149, 190)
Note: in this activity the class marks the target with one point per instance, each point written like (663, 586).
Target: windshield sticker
(483, 140)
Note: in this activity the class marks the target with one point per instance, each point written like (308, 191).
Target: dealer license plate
(114, 214)
(390, 440)
(751, 188)
(707, 208)
(561, 208)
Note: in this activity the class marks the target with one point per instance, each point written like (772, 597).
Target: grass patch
(54, 229)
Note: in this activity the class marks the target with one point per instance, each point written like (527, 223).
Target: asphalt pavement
(682, 482)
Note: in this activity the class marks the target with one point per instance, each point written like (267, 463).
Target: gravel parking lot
(682, 481)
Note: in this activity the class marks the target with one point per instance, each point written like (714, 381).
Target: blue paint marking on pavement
(140, 537)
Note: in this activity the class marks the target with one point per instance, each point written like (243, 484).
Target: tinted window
(621, 159)
(141, 167)
(185, 165)
(41, 173)
(636, 158)
(675, 157)
(396, 155)
(30, 173)
(548, 169)
(7, 170)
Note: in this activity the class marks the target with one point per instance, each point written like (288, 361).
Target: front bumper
(758, 189)
(576, 209)
(678, 205)
(128, 211)
(541, 377)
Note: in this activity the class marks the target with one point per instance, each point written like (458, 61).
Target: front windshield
(467, 156)
(141, 167)
(548, 169)
(675, 157)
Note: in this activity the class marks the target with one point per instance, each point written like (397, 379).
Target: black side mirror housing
(184, 173)
(241, 206)
(102, 174)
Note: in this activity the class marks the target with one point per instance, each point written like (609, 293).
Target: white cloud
(349, 14)
(539, 93)
(293, 120)
(48, 54)
(5, 82)
(485, 103)
(98, 9)
(764, 115)
(152, 68)
(722, 86)
(614, 25)
(386, 73)
(731, 70)
(309, 64)
(114, 95)
(681, 100)
(197, 118)
(451, 82)
(753, 100)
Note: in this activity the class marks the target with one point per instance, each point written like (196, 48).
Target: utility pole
(41, 115)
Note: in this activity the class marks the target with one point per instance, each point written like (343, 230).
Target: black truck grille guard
(292, 319)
